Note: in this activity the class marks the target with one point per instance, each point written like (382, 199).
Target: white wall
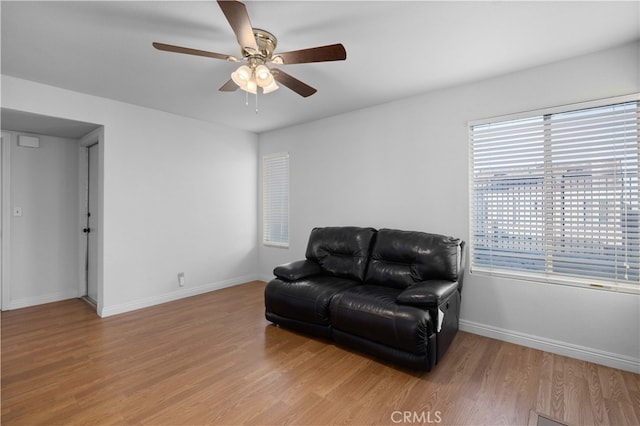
(405, 165)
(179, 196)
(44, 259)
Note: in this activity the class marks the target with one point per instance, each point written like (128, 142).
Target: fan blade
(236, 14)
(229, 86)
(332, 52)
(189, 51)
(293, 83)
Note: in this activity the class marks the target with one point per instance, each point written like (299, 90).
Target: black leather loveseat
(389, 293)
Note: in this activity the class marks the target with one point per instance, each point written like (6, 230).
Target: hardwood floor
(214, 359)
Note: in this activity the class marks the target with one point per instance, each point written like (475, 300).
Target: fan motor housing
(266, 42)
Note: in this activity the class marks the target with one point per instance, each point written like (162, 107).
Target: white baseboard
(554, 346)
(42, 299)
(177, 295)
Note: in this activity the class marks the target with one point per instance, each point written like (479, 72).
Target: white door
(92, 224)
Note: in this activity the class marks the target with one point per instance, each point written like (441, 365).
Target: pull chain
(246, 100)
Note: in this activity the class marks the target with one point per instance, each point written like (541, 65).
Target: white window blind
(275, 200)
(554, 197)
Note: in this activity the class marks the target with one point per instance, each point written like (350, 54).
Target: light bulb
(241, 76)
(270, 87)
(251, 87)
(266, 82)
(244, 72)
(262, 73)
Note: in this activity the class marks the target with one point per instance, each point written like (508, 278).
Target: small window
(554, 196)
(275, 200)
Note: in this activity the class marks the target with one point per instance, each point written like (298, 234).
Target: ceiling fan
(257, 47)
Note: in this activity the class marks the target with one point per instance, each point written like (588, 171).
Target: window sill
(592, 284)
(276, 245)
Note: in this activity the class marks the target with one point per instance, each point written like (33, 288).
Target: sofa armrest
(427, 294)
(296, 270)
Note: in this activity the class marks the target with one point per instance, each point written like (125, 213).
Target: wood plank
(214, 359)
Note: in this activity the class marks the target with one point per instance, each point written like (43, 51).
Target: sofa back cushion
(341, 251)
(402, 258)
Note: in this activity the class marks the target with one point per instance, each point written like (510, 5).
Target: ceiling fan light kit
(256, 74)
(257, 48)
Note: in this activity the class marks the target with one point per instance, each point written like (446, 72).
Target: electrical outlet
(181, 279)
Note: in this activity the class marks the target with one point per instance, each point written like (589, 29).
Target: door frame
(5, 213)
(92, 138)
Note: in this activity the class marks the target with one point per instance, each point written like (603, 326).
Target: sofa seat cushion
(371, 312)
(306, 299)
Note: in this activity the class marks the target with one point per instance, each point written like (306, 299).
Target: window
(554, 196)
(275, 200)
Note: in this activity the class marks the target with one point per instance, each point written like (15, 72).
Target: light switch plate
(17, 211)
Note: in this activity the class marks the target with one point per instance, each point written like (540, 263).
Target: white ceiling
(394, 49)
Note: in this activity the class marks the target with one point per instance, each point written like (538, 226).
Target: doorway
(44, 179)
